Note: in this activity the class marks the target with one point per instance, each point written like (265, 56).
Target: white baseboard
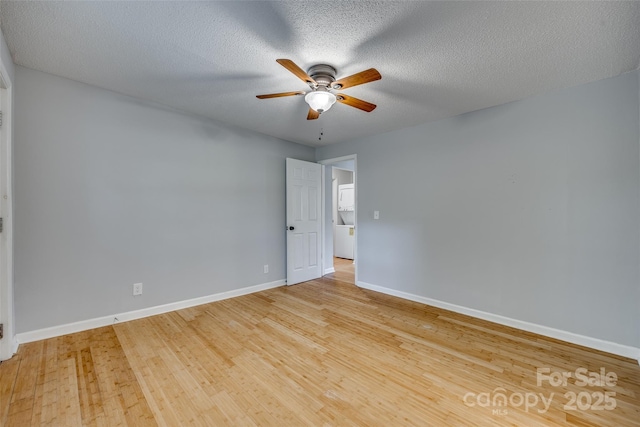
(83, 325)
(329, 270)
(595, 343)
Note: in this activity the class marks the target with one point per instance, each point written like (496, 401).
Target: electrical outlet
(266, 268)
(137, 289)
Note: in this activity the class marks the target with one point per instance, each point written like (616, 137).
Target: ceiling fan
(322, 81)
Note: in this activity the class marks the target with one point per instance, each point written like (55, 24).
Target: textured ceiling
(437, 59)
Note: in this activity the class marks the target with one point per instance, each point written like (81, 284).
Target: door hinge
(1, 331)
(1, 225)
(0, 119)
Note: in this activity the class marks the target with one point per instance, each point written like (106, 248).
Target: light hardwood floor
(344, 270)
(319, 353)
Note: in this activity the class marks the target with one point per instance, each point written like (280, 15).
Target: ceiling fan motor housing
(323, 75)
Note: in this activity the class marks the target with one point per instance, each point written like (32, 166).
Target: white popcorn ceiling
(437, 59)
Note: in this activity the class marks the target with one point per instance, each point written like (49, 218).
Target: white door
(304, 224)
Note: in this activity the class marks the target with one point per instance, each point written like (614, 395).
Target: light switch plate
(376, 214)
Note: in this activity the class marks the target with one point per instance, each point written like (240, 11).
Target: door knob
(291, 228)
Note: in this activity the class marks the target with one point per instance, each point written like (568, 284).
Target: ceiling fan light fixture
(320, 99)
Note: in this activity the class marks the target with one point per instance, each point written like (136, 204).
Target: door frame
(327, 164)
(8, 345)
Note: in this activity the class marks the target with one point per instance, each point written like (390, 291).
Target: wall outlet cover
(137, 289)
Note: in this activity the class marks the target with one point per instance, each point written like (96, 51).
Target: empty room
(319, 213)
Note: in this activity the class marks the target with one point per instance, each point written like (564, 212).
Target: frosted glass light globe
(320, 100)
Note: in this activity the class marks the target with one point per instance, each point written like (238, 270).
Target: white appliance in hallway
(345, 231)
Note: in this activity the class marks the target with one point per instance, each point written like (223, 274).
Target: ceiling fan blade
(362, 77)
(278, 95)
(313, 114)
(297, 71)
(355, 102)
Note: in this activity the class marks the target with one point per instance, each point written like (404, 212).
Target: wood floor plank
(8, 379)
(321, 353)
(22, 408)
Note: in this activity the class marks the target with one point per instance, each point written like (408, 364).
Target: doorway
(343, 212)
(340, 217)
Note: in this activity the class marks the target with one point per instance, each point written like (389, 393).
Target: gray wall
(528, 210)
(110, 191)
